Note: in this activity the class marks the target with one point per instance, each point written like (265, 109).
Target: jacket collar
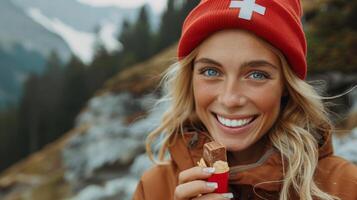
(186, 151)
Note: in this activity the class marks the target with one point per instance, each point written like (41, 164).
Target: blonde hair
(177, 83)
(295, 133)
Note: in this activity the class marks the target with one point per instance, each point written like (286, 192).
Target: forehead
(236, 46)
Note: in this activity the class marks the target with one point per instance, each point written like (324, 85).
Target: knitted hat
(276, 21)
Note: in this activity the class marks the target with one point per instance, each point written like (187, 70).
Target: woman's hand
(192, 185)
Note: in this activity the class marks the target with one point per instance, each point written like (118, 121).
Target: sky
(157, 5)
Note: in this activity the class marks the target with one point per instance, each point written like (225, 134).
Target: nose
(232, 95)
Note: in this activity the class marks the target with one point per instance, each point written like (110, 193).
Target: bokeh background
(78, 81)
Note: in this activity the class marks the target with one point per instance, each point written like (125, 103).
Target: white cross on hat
(247, 7)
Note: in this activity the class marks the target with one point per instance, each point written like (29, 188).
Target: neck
(249, 155)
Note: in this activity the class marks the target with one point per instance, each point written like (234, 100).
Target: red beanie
(276, 21)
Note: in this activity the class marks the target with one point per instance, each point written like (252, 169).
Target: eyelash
(205, 70)
(266, 75)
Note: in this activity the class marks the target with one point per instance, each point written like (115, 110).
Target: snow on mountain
(81, 43)
(82, 17)
(81, 22)
(18, 29)
(107, 36)
(37, 27)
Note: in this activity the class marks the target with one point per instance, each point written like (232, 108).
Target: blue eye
(258, 75)
(210, 72)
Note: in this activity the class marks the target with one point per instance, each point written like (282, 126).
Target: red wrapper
(222, 181)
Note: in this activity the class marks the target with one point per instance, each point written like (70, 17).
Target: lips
(235, 122)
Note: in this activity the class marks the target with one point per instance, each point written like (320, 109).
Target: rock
(115, 189)
(141, 128)
(109, 141)
(96, 148)
(109, 106)
(346, 146)
(140, 165)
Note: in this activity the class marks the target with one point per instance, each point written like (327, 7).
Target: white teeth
(233, 123)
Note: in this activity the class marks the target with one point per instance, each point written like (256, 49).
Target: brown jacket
(334, 175)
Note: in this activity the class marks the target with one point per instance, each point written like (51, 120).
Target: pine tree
(11, 148)
(142, 35)
(169, 30)
(29, 115)
(75, 92)
(136, 39)
(186, 9)
(53, 62)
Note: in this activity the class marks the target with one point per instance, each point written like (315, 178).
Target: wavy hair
(295, 134)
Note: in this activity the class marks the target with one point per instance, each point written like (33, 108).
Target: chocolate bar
(214, 151)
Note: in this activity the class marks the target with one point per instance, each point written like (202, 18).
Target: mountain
(80, 25)
(81, 16)
(62, 25)
(15, 66)
(24, 45)
(18, 28)
(30, 30)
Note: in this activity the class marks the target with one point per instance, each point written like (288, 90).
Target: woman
(240, 81)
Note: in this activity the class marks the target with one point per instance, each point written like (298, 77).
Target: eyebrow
(252, 63)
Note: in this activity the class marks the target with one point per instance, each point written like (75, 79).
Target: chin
(233, 146)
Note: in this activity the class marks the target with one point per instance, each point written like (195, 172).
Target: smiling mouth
(235, 123)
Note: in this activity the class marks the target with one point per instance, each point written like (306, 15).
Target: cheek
(199, 93)
(203, 95)
(268, 100)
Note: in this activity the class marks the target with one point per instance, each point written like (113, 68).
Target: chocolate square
(214, 151)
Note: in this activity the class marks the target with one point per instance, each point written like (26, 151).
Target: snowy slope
(79, 23)
(81, 43)
(18, 28)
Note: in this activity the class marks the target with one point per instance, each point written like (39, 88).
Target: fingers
(215, 196)
(192, 185)
(195, 173)
(193, 189)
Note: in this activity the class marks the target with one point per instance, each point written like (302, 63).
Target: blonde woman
(240, 81)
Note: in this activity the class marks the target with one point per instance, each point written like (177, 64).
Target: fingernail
(212, 185)
(209, 170)
(227, 195)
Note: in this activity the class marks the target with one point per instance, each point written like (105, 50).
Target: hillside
(143, 77)
(32, 176)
